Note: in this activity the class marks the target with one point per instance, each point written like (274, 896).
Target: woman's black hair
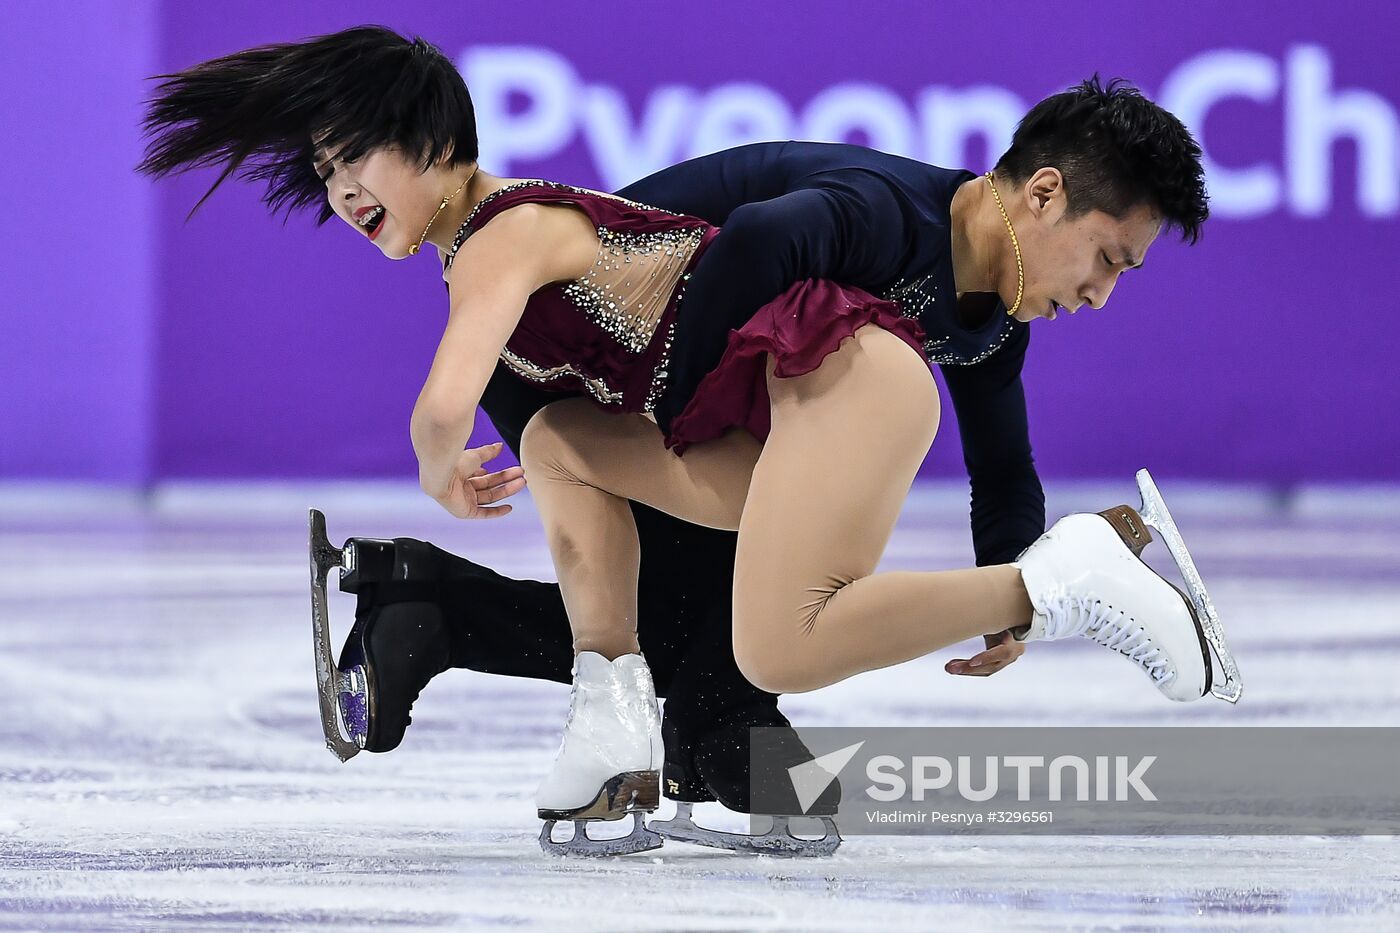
(349, 91)
(1116, 149)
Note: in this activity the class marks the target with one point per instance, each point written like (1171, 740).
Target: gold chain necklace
(413, 250)
(1015, 244)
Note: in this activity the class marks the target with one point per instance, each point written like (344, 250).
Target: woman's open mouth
(372, 221)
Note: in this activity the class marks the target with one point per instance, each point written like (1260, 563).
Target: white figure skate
(609, 762)
(1085, 576)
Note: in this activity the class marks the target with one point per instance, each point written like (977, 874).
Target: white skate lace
(1110, 627)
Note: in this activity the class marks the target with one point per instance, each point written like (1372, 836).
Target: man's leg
(499, 625)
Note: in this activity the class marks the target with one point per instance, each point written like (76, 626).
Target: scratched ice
(161, 764)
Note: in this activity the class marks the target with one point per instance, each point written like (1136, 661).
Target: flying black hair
(270, 107)
(1116, 149)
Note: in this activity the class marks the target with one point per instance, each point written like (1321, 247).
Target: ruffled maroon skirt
(798, 328)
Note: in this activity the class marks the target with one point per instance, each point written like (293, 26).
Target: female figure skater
(806, 435)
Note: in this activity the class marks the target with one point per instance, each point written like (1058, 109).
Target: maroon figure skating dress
(608, 334)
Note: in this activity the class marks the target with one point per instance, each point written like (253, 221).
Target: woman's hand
(1002, 649)
(471, 490)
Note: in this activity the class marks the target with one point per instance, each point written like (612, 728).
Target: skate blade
(329, 679)
(778, 841)
(1226, 685)
(581, 845)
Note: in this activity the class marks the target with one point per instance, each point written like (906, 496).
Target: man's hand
(1002, 649)
(471, 489)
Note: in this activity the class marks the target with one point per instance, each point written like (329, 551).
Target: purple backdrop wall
(292, 351)
(78, 262)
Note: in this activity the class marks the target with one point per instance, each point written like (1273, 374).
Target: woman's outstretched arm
(496, 270)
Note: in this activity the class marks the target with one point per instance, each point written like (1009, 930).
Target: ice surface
(161, 763)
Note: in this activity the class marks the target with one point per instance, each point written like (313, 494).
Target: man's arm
(1008, 504)
(846, 225)
(711, 187)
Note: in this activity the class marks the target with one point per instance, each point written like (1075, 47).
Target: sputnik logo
(811, 778)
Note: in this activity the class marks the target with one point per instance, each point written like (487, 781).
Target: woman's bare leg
(814, 506)
(846, 442)
(583, 464)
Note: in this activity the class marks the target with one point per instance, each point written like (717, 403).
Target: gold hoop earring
(413, 250)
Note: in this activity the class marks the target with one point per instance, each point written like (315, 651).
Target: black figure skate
(400, 640)
(714, 765)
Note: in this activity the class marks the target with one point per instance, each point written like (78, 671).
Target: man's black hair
(1116, 149)
(273, 106)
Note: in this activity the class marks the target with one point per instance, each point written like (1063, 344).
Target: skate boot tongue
(592, 667)
(626, 675)
(630, 665)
